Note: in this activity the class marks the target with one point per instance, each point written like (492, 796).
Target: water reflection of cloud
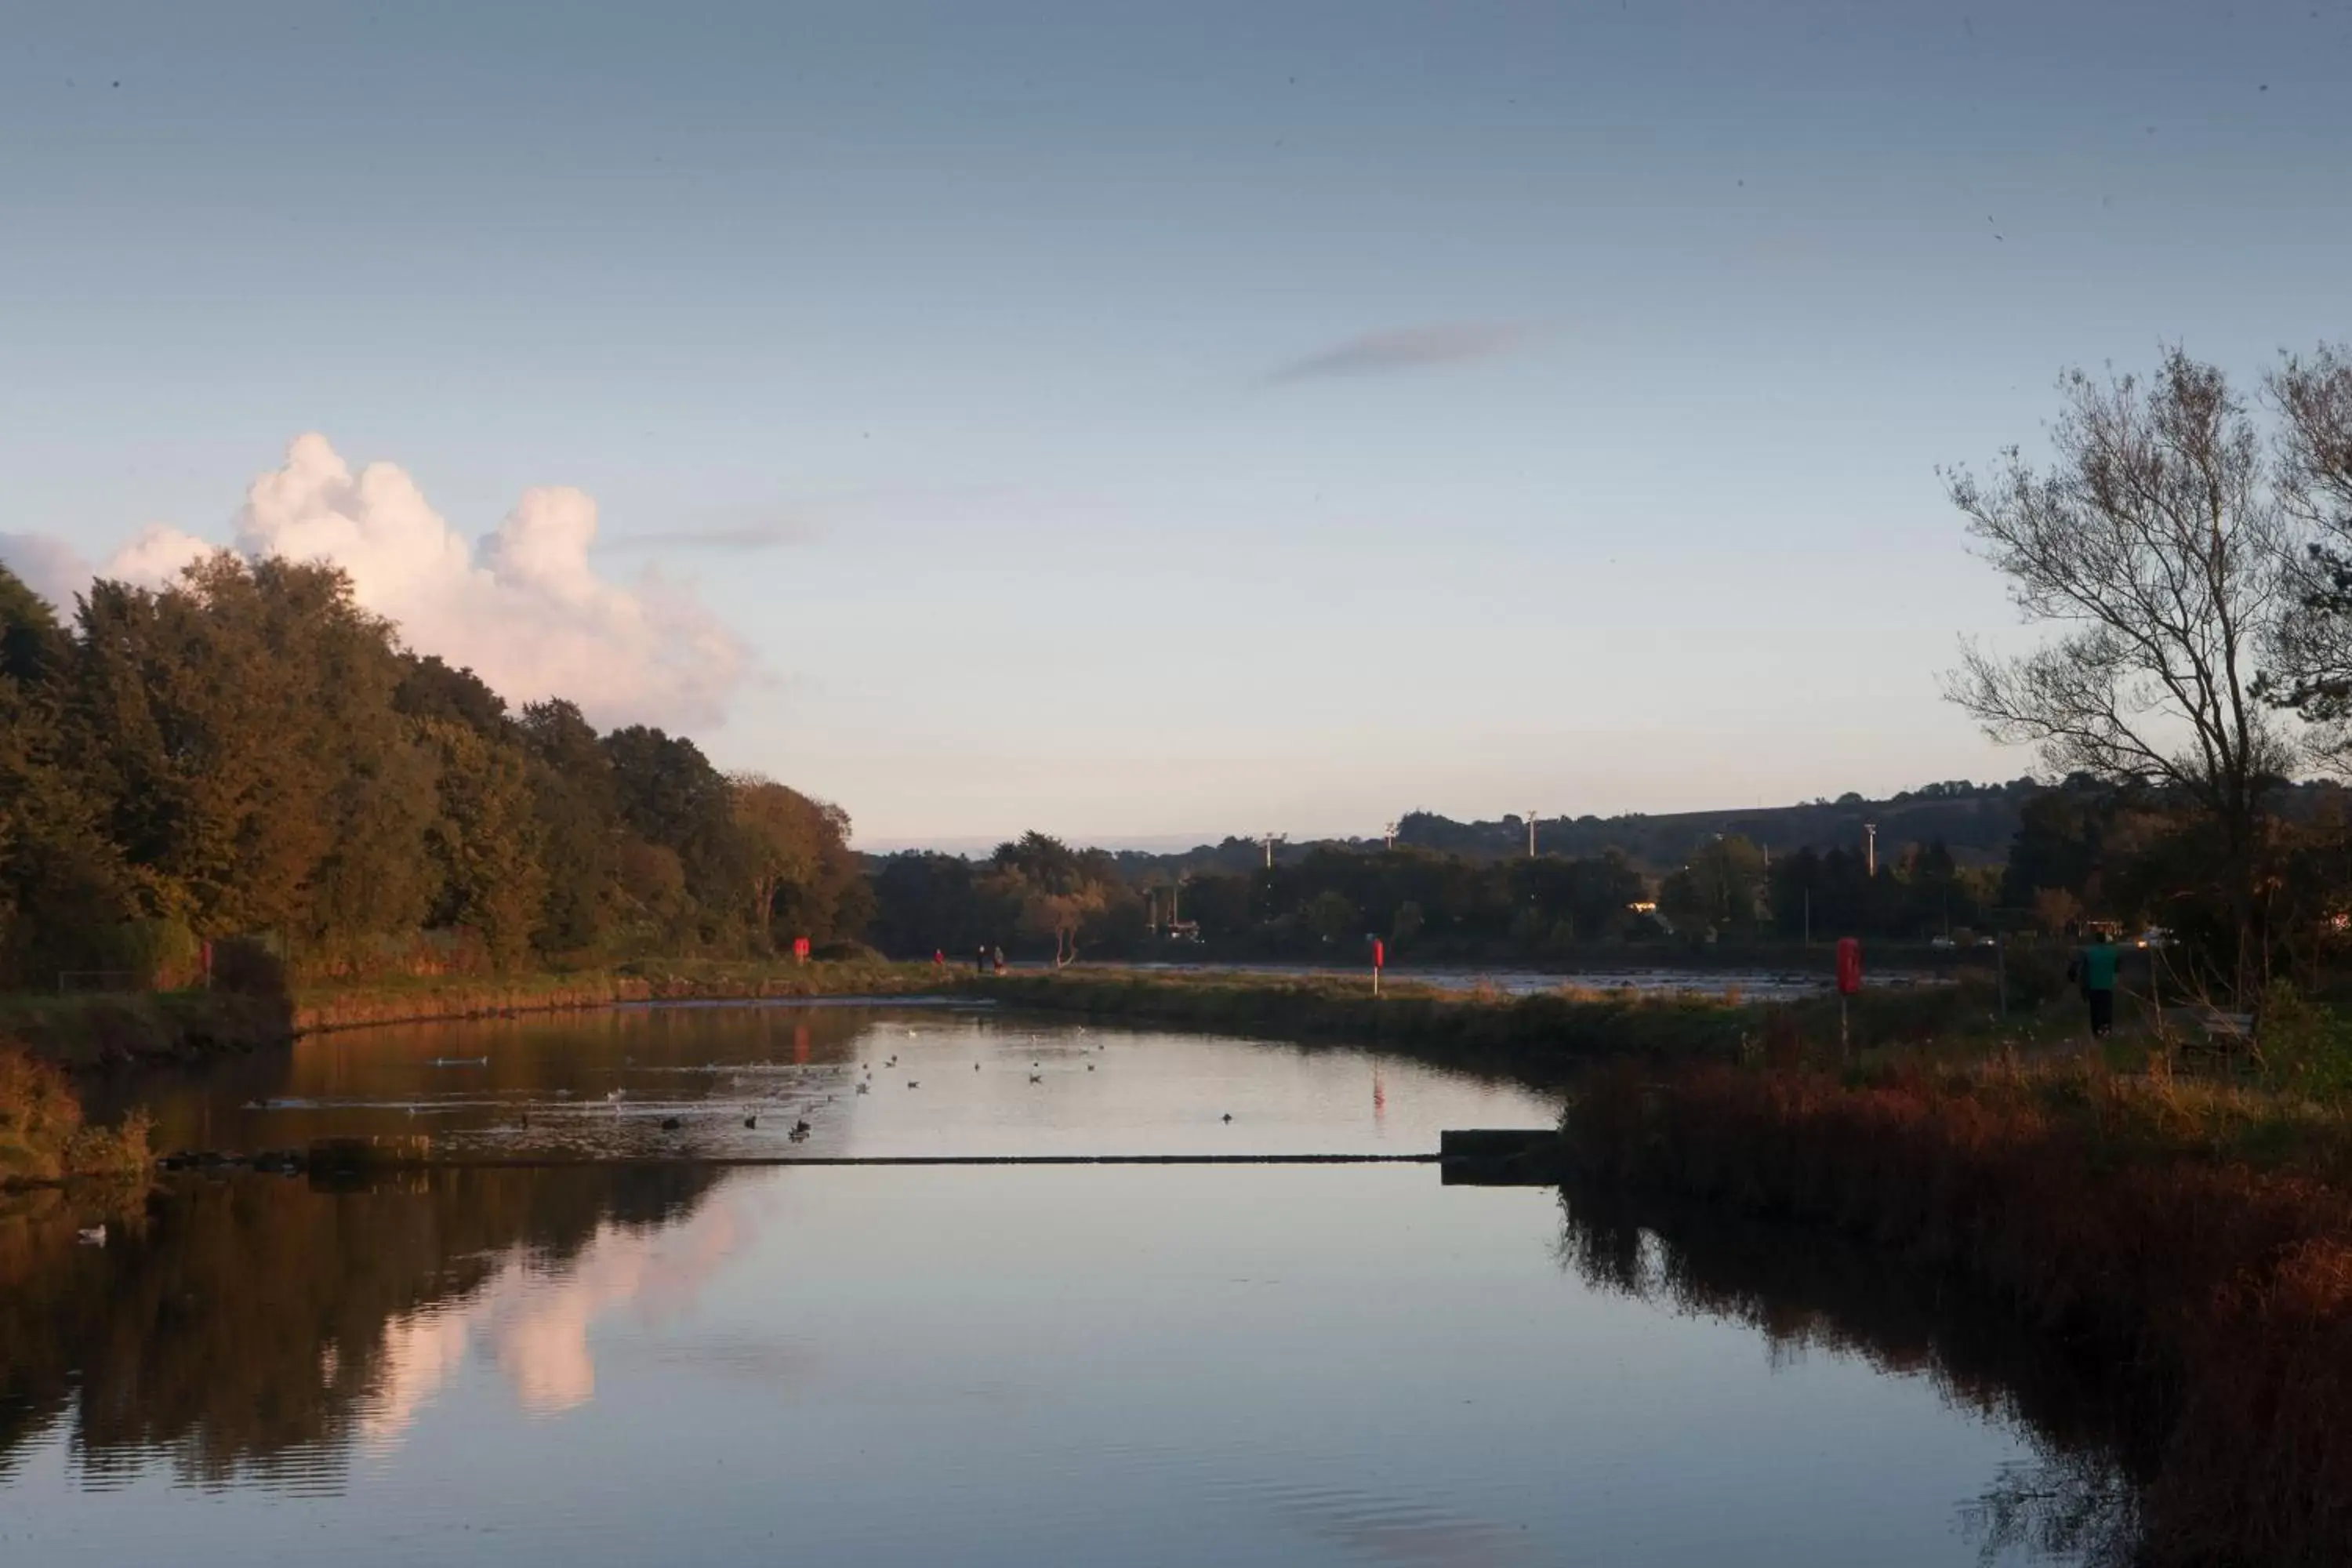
(537, 1321)
(420, 1351)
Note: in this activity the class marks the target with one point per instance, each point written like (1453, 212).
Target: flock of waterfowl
(617, 1098)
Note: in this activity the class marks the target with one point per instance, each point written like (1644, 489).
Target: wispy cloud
(1408, 348)
(750, 537)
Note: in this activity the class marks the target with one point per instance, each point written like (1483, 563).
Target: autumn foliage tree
(248, 752)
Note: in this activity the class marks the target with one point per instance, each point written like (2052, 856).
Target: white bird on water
(91, 1235)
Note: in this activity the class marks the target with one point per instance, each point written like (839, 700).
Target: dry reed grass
(2200, 1233)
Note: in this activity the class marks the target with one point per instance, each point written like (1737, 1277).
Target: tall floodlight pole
(1531, 835)
(1870, 849)
(1269, 851)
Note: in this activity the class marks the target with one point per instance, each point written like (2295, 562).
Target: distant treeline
(1328, 901)
(2077, 852)
(1973, 822)
(249, 755)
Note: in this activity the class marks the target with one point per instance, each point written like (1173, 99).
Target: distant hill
(1976, 822)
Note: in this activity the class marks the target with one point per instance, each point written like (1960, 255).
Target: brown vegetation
(42, 1137)
(358, 1007)
(2201, 1238)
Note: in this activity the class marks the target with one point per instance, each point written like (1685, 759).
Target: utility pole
(1268, 840)
(1531, 835)
(1870, 849)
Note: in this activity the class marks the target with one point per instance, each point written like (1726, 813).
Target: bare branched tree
(2155, 545)
(2312, 653)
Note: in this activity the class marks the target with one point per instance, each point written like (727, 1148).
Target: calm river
(1340, 1364)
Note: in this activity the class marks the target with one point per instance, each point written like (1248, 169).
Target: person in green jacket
(2095, 969)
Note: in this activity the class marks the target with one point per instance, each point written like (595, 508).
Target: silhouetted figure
(2094, 970)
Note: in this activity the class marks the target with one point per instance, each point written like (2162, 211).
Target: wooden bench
(2223, 1034)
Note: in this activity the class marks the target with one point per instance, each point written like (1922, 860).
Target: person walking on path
(2094, 970)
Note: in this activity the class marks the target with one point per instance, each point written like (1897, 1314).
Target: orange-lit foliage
(42, 1136)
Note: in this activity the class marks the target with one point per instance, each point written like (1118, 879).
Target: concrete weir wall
(1500, 1156)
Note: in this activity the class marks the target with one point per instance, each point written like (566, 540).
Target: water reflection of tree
(239, 1326)
(1803, 1289)
(558, 1064)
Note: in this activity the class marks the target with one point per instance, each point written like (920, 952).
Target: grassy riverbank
(2198, 1235)
(114, 1031)
(319, 1009)
(1543, 1037)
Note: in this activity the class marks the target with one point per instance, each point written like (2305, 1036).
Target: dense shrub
(249, 966)
(43, 1136)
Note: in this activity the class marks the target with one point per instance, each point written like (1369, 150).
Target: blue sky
(1151, 420)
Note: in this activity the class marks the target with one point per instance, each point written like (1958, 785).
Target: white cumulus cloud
(524, 608)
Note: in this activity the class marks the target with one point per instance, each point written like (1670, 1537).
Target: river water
(1242, 1364)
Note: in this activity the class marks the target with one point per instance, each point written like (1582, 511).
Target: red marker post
(800, 950)
(1848, 981)
(1380, 957)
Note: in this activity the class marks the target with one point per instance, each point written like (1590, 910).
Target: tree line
(1037, 897)
(248, 754)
